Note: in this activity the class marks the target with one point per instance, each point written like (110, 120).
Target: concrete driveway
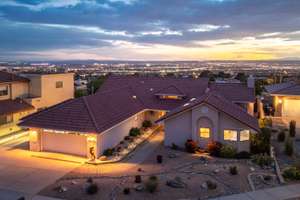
(27, 172)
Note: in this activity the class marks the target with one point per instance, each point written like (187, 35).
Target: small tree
(147, 124)
(292, 130)
(260, 143)
(289, 147)
(134, 132)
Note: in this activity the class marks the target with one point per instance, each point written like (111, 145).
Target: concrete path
(276, 193)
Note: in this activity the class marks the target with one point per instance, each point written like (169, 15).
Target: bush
(191, 146)
(108, 152)
(126, 191)
(147, 124)
(90, 180)
(159, 159)
(174, 146)
(92, 189)
(262, 160)
(291, 173)
(214, 148)
(265, 122)
(211, 185)
(289, 147)
(260, 143)
(233, 170)
(228, 151)
(134, 132)
(151, 184)
(127, 137)
(281, 136)
(292, 130)
(243, 155)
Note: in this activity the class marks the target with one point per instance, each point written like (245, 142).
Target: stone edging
(277, 168)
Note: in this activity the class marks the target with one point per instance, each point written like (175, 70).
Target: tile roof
(220, 103)
(14, 106)
(289, 88)
(6, 77)
(119, 98)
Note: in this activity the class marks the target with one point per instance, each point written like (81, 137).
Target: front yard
(180, 175)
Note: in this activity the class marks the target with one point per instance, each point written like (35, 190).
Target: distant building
(22, 95)
(187, 108)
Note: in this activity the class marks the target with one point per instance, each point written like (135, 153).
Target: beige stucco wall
(16, 90)
(111, 137)
(186, 126)
(43, 89)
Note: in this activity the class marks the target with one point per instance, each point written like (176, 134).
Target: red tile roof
(220, 103)
(13, 106)
(119, 98)
(6, 77)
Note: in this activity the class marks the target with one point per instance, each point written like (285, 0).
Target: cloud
(207, 27)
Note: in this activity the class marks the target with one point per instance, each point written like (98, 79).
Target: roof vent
(134, 96)
(151, 89)
(186, 104)
(192, 99)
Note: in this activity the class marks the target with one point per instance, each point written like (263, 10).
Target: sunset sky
(149, 29)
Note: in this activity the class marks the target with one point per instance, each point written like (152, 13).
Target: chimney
(251, 82)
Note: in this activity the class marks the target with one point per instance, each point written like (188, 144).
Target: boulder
(139, 187)
(176, 183)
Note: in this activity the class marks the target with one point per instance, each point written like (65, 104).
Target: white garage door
(64, 143)
(291, 108)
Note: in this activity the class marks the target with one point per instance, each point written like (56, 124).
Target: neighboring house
(22, 95)
(102, 120)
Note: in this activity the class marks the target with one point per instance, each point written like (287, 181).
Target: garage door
(64, 143)
(291, 108)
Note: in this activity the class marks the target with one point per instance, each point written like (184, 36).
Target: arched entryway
(204, 131)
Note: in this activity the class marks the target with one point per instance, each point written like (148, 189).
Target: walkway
(276, 193)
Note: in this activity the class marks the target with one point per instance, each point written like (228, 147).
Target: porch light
(280, 101)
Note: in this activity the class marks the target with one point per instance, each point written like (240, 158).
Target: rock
(139, 187)
(216, 171)
(252, 169)
(62, 189)
(204, 185)
(172, 155)
(103, 158)
(176, 183)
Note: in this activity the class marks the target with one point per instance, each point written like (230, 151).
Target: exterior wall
(186, 125)
(4, 97)
(116, 134)
(16, 90)
(178, 129)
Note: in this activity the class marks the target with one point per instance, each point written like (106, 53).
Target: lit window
(204, 132)
(230, 135)
(170, 97)
(244, 135)
(59, 84)
(3, 90)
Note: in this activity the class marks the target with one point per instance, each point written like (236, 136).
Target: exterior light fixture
(280, 101)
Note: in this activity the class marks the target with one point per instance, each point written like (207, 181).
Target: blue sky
(149, 29)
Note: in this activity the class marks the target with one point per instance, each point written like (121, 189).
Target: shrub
(243, 155)
(260, 143)
(281, 136)
(262, 160)
(134, 132)
(138, 179)
(92, 189)
(151, 184)
(289, 147)
(214, 148)
(174, 146)
(147, 124)
(126, 191)
(127, 137)
(108, 152)
(211, 185)
(89, 180)
(228, 151)
(291, 173)
(191, 146)
(292, 130)
(233, 170)
(159, 159)
(267, 177)
(265, 122)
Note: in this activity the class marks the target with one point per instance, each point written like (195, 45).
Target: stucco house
(24, 94)
(100, 121)
(286, 99)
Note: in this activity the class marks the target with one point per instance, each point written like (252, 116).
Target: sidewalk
(276, 193)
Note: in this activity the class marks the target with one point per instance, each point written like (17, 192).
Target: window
(3, 90)
(204, 132)
(230, 135)
(170, 97)
(244, 135)
(59, 84)
(5, 119)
